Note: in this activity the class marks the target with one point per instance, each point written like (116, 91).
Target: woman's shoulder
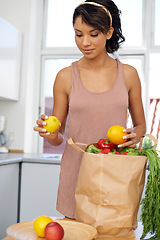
(129, 70)
(63, 80)
(64, 73)
(131, 76)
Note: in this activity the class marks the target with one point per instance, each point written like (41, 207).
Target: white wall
(26, 15)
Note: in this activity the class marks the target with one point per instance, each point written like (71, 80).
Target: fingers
(130, 137)
(42, 131)
(129, 143)
(40, 128)
(44, 135)
(127, 130)
(41, 123)
(48, 135)
(44, 117)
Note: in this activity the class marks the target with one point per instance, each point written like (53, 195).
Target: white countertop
(11, 158)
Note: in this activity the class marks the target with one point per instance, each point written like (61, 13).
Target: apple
(53, 231)
(52, 124)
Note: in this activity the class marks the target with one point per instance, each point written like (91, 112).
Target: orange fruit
(52, 124)
(40, 224)
(115, 135)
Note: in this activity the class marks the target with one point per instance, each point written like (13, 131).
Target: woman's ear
(110, 33)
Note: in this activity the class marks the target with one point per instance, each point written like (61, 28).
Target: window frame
(153, 33)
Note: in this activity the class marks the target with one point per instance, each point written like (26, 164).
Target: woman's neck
(96, 63)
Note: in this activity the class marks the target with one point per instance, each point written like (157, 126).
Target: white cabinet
(39, 185)
(10, 60)
(9, 174)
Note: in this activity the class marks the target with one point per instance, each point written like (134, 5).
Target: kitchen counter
(25, 181)
(11, 158)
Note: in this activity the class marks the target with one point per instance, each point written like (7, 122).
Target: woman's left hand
(131, 138)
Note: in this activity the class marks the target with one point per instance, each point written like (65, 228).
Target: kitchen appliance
(3, 138)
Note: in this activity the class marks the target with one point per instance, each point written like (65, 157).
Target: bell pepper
(105, 151)
(116, 153)
(105, 144)
(92, 149)
(124, 153)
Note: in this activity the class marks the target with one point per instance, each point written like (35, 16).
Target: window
(59, 23)
(131, 20)
(157, 23)
(154, 76)
(154, 94)
(59, 49)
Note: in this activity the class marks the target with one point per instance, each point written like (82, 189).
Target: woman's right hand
(42, 131)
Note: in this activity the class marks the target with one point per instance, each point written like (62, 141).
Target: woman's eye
(94, 35)
(78, 35)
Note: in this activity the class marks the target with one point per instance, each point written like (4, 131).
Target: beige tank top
(90, 117)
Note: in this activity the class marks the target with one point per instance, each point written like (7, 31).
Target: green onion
(150, 215)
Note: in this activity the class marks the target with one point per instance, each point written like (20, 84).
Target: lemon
(115, 135)
(40, 224)
(52, 124)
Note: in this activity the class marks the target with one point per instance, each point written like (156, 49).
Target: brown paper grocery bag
(108, 192)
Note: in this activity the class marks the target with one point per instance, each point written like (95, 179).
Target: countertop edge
(13, 158)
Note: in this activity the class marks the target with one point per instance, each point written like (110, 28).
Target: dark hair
(99, 19)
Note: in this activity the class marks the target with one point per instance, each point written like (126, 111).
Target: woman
(95, 91)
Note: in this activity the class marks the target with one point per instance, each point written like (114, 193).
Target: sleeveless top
(90, 116)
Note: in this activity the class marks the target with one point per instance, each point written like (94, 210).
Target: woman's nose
(86, 41)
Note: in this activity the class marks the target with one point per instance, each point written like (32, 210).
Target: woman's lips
(88, 51)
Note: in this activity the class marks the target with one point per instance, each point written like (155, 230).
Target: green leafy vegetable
(130, 151)
(147, 144)
(127, 149)
(93, 149)
(151, 202)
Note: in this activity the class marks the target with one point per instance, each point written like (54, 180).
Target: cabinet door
(8, 196)
(39, 190)
(10, 60)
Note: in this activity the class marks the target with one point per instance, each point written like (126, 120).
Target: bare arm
(61, 91)
(135, 106)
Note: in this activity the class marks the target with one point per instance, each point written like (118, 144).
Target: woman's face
(90, 41)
